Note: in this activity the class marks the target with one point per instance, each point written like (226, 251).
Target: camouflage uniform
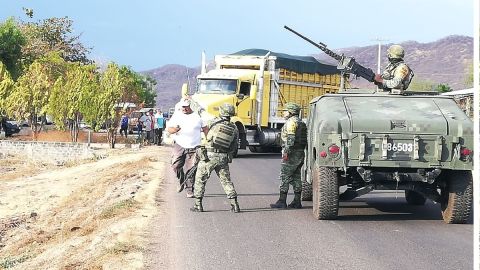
(294, 141)
(397, 75)
(217, 159)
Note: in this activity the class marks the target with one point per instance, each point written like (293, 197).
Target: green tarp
(300, 64)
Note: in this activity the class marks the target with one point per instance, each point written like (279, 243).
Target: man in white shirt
(185, 127)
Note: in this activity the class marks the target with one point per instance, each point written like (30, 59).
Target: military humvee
(368, 140)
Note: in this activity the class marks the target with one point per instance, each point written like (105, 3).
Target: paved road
(376, 231)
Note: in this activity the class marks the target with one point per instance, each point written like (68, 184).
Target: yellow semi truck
(258, 83)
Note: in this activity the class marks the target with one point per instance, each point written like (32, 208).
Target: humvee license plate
(400, 147)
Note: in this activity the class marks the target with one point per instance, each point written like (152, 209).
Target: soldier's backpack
(222, 134)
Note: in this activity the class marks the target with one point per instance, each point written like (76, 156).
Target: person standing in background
(124, 124)
(149, 126)
(159, 126)
(140, 121)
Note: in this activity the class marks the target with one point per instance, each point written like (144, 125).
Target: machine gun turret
(347, 65)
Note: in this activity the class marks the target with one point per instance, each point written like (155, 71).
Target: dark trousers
(184, 165)
(124, 130)
(158, 136)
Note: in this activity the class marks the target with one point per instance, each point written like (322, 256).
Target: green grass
(119, 208)
(10, 262)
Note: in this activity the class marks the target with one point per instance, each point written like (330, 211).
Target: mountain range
(445, 61)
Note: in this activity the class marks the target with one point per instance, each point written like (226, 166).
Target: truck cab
(258, 83)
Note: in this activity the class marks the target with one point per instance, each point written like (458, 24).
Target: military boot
(235, 207)
(281, 203)
(197, 207)
(297, 201)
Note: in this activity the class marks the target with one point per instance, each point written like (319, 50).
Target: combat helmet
(292, 108)
(395, 52)
(226, 110)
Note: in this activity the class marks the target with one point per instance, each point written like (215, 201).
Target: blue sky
(147, 34)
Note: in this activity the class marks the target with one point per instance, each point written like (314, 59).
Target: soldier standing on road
(294, 141)
(186, 127)
(222, 142)
(397, 75)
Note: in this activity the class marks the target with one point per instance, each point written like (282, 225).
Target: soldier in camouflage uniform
(294, 141)
(221, 143)
(397, 75)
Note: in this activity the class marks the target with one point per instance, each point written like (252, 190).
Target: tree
(11, 42)
(6, 86)
(443, 88)
(148, 92)
(71, 95)
(30, 96)
(104, 101)
(53, 35)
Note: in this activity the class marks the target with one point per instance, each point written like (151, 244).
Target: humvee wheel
(414, 198)
(457, 197)
(306, 187)
(306, 191)
(253, 149)
(325, 193)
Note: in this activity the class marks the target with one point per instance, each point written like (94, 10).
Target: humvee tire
(457, 197)
(306, 191)
(306, 187)
(414, 198)
(325, 193)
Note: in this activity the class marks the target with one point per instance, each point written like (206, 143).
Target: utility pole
(379, 56)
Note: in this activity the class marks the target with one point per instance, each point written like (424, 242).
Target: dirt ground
(87, 215)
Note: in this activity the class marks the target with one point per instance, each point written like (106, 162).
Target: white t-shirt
(190, 134)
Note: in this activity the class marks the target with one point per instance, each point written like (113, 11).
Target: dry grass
(96, 224)
(119, 208)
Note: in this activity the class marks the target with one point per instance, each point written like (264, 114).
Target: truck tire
(325, 193)
(457, 197)
(414, 198)
(253, 149)
(306, 187)
(306, 191)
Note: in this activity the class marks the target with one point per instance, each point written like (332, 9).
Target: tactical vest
(300, 133)
(389, 72)
(221, 136)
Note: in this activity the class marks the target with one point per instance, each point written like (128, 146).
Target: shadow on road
(388, 210)
(242, 195)
(258, 156)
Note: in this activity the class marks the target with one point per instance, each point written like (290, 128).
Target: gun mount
(347, 65)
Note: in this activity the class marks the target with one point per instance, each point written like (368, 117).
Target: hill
(445, 61)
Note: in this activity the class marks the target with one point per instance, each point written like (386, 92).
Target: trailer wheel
(325, 193)
(457, 197)
(414, 198)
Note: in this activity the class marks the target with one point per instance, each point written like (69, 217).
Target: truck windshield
(217, 86)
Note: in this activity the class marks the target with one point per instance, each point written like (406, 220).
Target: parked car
(10, 128)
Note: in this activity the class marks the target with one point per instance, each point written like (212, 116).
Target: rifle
(345, 64)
